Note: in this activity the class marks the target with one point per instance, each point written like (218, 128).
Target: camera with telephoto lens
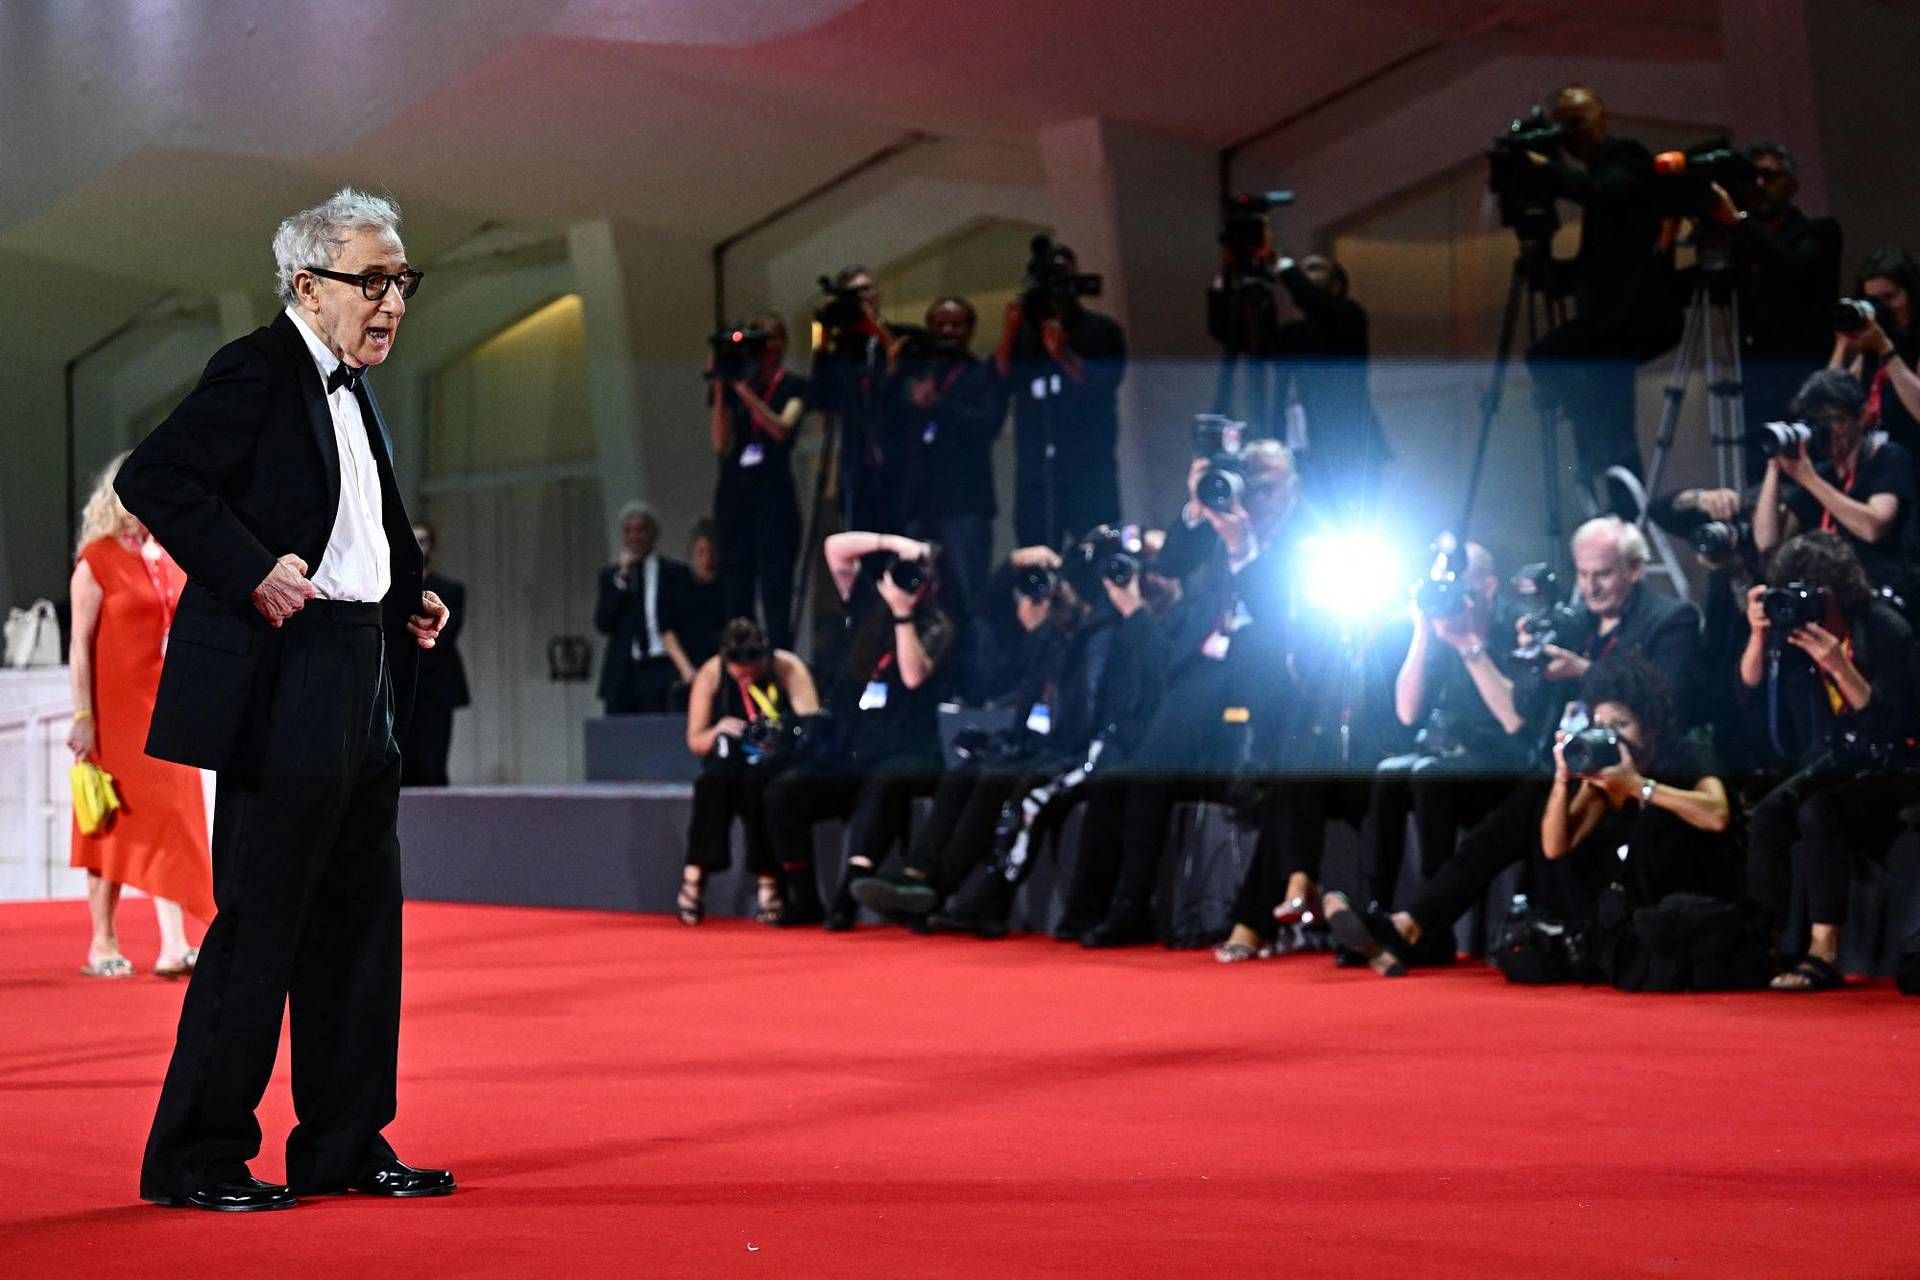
(736, 352)
(1851, 315)
(1036, 582)
(1109, 553)
(1543, 628)
(1443, 592)
(1591, 750)
(842, 308)
(1525, 190)
(1718, 541)
(908, 575)
(1244, 234)
(1684, 180)
(1050, 283)
(1784, 439)
(1797, 604)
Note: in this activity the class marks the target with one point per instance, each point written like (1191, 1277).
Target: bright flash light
(1353, 574)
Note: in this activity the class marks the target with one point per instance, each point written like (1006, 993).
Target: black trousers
(1293, 839)
(1808, 828)
(424, 750)
(306, 871)
(758, 523)
(1081, 490)
(1508, 834)
(1443, 795)
(725, 790)
(876, 803)
(958, 833)
(647, 689)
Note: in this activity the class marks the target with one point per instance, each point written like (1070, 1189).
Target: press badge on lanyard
(874, 696)
(1040, 719)
(753, 455)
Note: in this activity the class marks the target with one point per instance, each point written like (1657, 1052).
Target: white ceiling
(149, 141)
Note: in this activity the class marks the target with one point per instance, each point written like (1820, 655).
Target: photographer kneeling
(1837, 660)
(1839, 478)
(886, 738)
(742, 714)
(1642, 788)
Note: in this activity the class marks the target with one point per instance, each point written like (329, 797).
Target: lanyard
(1835, 699)
(759, 705)
(880, 667)
(1846, 479)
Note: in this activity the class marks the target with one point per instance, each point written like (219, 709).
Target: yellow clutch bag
(94, 799)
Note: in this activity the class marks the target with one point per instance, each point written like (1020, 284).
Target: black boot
(800, 891)
(980, 907)
(897, 893)
(1127, 925)
(845, 909)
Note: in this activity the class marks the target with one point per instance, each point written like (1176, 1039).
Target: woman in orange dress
(124, 590)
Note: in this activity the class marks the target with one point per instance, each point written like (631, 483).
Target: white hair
(1627, 538)
(314, 237)
(635, 507)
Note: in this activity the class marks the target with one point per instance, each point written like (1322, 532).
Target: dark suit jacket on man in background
(630, 685)
(298, 722)
(439, 691)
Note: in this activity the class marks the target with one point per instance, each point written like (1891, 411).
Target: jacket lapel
(313, 396)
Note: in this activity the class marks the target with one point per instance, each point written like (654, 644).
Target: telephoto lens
(1719, 539)
(1775, 438)
(1797, 604)
(1440, 597)
(1851, 315)
(908, 575)
(1221, 488)
(1591, 750)
(1036, 582)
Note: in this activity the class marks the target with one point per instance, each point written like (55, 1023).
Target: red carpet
(620, 1095)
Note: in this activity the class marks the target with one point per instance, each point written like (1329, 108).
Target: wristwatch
(1646, 791)
(1472, 652)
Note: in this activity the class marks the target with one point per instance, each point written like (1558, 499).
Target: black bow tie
(345, 375)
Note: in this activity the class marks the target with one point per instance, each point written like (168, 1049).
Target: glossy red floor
(621, 1095)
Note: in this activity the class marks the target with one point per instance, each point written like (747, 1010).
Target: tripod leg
(829, 437)
(1490, 403)
(1685, 358)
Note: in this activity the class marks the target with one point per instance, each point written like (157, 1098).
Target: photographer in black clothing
(950, 409)
(1062, 364)
(1660, 799)
(1835, 663)
(1843, 479)
(851, 382)
(741, 711)
(1882, 352)
(756, 513)
(1227, 679)
(1456, 684)
(1330, 421)
(1788, 278)
(883, 699)
(1627, 308)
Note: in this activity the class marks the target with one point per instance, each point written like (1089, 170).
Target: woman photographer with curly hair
(1835, 660)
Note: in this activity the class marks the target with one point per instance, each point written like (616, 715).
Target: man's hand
(1015, 317)
(284, 590)
(1795, 466)
(1621, 782)
(1756, 612)
(730, 727)
(1459, 631)
(1235, 528)
(923, 393)
(1038, 556)
(1125, 598)
(1717, 504)
(1053, 336)
(899, 603)
(427, 623)
(1873, 340)
(1723, 210)
(1821, 645)
(1563, 664)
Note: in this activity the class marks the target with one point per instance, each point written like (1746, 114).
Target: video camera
(1797, 604)
(1685, 179)
(1108, 553)
(1049, 283)
(1524, 189)
(842, 308)
(1543, 628)
(1219, 439)
(1787, 439)
(1246, 235)
(736, 352)
(1591, 750)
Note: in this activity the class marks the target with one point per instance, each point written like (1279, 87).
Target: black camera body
(736, 352)
(1215, 434)
(841, 309)
(1591, 750)
(909, 576)
(1851, 315)
(1036, 582)
(1049, 284)
(1109, 553)
(1787, 439)
(1544, 626)
(1797, 604)
(1523, 189)
(769, 738)
(1685, 180)
(1719, 541)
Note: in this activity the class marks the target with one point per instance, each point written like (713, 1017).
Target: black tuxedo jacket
(243, 472)
(621, 615)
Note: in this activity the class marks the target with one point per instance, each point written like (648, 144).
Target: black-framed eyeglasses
(374, 284)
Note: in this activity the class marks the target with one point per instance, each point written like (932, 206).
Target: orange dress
(157, 842)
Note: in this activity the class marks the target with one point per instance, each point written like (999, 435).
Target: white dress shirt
(650, 598)
(356, 565)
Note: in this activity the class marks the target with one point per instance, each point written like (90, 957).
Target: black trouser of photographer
(1443, 794)
(1508, 834)
(1808, 828)
(1085, 492)
(1293, 839)
(876, 802)
(1590, 373)
(757, 520)
(725, 790)
(958, 833)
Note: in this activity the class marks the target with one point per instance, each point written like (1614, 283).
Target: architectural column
(612, 385)
(1141, 209)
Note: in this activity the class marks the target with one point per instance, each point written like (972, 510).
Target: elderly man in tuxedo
(290, 660)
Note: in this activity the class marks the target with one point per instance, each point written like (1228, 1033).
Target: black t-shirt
(877, 715)
(1895, 418)
(697, 613)
(756, 453)
(1084, 416)
(1886, 469)
(1665, 854)
(949, 448)
(1619, 281)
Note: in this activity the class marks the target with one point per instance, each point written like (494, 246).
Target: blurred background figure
(637, 592)
(442, 683)
(700, 611)
(124, 590)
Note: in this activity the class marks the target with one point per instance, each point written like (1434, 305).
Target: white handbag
(33, 636)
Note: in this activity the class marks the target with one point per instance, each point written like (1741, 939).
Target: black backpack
(1689, 942)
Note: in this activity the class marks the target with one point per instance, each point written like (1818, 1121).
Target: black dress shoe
(237, 1195)
(401, 1181)
(1125, 926)
(897, 893)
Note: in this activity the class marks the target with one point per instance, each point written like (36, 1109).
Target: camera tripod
(1249, 343)
(1710, 343)
(1530, 297)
